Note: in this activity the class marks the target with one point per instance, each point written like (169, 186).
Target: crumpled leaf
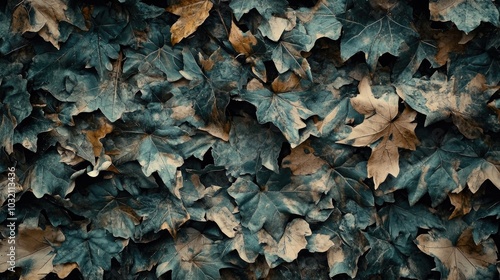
(462, 259)
(290, 244)
(465, 14)
(249, 147)
(462, 203)
(192, 14)
(191, 256)
(382, 122)
(439, 98)
(34, 252)
(375, 33)
(91, 250)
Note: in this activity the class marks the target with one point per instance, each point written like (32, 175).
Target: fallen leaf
(462, 203)
(463, 260)
(383, 123)
(192, 14)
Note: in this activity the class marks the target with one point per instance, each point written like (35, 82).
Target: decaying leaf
(462, 203)
(462, 259)
(192, 14)
(290, 244)
(465, 14)
(34, 253)
(383, 122)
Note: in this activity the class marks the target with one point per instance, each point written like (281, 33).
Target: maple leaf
(192, 14)
(262, 147)
(91, 250)
(439, 98)
(107, 208)
(384, 124)
(285, 110)
(462, 259)
(465, 14)
(320, 21)
(289, 245)
(34, 252)
(375, 33)
(44, 17)
(462, 203)
(192, 255)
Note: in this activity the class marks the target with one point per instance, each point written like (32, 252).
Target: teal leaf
(465, 14)
(376, 33)
(107, 208)
(287, 53)
(320, 21)
(50, 176)
(191, 256)
(285, 110)
(91, 250)
(160, 210)
(265, 8)
(249, 146)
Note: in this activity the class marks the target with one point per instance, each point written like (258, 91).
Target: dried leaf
(192, 14)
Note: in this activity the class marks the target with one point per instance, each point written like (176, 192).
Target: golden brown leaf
(462, 203)
(302, 160)
(243, 43)
(95, 136)
(464, 259)
(382, 123)
(33, 251)
(192, 14)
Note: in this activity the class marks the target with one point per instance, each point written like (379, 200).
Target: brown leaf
(448, 42)
(192, 14)
(382, 123)
(462, 203)
(41, 16)
(33, 251)
(243, 43)
(302, 160)
(95, 136)
(464, 259)
(290, 244)
(286, 82)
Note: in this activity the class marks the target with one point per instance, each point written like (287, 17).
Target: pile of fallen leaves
(251, 139)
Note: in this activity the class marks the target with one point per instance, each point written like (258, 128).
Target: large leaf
(34, 252)
(91, 250)
(50, 176)
(44, 17)
(382, 123)
(375, 33)
(462, 259)
(107, 209)
(191, 256)
(440, 98)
